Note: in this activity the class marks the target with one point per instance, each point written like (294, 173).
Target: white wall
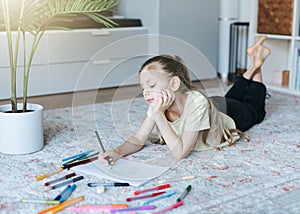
(146, 10)
(194, 21)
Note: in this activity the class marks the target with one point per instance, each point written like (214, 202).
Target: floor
(260, 176)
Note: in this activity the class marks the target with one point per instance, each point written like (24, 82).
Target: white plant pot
(21, 133)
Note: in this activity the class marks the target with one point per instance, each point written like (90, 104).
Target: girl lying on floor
(187, 120)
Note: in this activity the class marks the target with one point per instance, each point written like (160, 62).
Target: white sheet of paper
(132, 172)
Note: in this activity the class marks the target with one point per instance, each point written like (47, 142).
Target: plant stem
(25, 67)
(36, 41)
(18, 37)
(5, 8)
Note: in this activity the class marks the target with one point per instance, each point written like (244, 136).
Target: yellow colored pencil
(41, 177)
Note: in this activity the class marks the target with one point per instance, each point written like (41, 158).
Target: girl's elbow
(181, 156)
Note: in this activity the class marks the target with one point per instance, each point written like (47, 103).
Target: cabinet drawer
(116, 73)
(5, 83)
(82, 45)
(63, 77)
(40, 57)
(71, 77)
(38, 82)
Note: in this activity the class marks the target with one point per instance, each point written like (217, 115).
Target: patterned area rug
(260, 176)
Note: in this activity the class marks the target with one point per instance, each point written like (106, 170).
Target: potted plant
(21, 19)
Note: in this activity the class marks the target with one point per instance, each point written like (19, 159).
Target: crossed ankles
(258, 54)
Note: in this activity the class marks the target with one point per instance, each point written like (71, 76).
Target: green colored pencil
(102, 147)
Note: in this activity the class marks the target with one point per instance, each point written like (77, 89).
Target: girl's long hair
(175, 66)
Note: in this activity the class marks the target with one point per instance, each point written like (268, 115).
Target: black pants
(244, 103)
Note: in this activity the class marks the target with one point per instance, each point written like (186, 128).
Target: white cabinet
(91, 59)
(284, 52)
(82, 59)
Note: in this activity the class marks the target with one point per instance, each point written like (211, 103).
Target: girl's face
(153, 81)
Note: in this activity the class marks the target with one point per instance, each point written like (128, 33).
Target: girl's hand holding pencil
(109, 157)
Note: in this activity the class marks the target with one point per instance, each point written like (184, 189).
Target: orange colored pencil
(59, 207)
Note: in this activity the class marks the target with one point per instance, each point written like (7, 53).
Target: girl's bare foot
(252, 49)
(260, 56)
(258, 53)
(258, 41)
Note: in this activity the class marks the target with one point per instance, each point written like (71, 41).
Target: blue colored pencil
(78, 155)
(58, 197)
(68, 193)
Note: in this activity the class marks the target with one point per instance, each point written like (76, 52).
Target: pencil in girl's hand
(101, 145)
(100, 142)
